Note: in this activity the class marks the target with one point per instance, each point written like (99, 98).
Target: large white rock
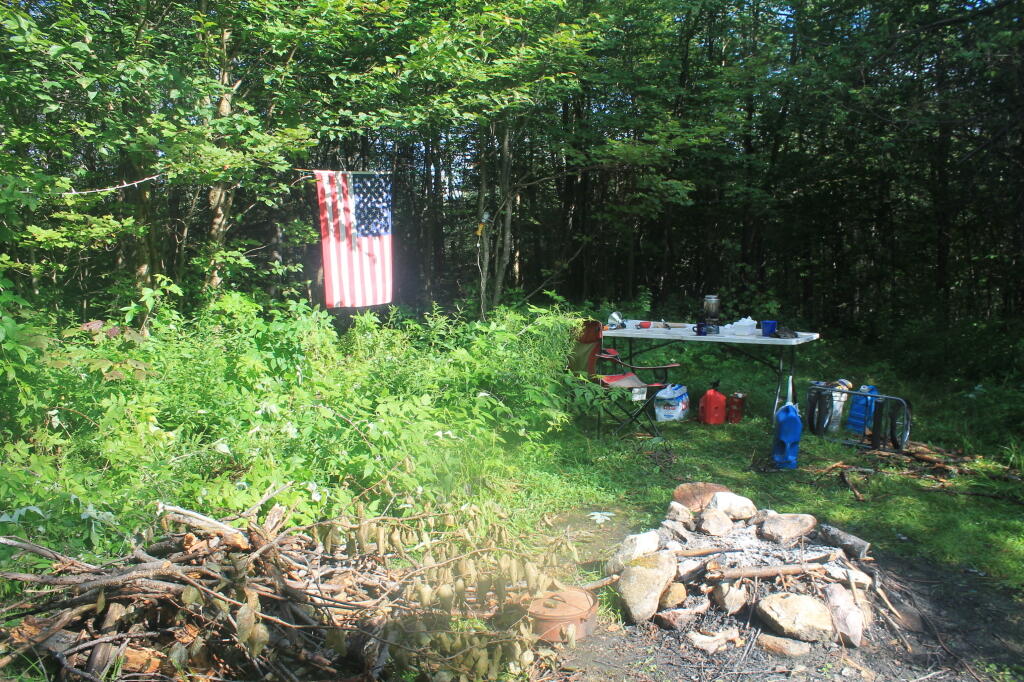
(716, 642)
(783, 646)
(736, 507)
(689, 569)
(847, 617)
(681, 619)
(680, 513)
(672, 597)
(695, 496)
(796, 615)
(714, 522)
(730, 596)
(632, 547)
(642, 582)
(784, 528)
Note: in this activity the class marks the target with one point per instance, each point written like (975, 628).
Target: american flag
(355, 231)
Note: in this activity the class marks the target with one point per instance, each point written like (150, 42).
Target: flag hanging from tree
(355, 231)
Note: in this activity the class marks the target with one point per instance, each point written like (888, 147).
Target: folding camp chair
(585, 357)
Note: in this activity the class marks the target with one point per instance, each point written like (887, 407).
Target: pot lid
(572, 602)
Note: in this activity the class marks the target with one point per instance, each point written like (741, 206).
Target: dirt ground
(969, 629)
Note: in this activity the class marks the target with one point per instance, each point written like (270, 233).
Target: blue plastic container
(788, 429)
(862, 410)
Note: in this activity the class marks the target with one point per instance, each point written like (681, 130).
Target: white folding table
(661, 336)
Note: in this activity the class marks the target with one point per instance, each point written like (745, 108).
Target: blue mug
(701, 329)
(768, 327)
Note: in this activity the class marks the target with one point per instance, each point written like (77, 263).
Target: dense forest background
(852, 166)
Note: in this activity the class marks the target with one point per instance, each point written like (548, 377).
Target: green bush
(212, 412)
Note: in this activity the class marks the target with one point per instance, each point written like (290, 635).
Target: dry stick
(197, 520)
(896, 630)
(71, 409)
(87, 582)
(885, 598)
(603, 582)
(111, 638)
(12, 541)
(59, 624)
(929, 676)
(217, 595)
(66, 665)
(703, 552)
(762, 571)
(849, 484)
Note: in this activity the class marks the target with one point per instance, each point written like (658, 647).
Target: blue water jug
(862, 410)
(788, 429)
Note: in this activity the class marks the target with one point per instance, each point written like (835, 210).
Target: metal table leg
(786, 369)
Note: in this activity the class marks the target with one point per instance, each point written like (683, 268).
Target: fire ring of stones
(717, 550)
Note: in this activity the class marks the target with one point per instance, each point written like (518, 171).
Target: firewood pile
(439, 591)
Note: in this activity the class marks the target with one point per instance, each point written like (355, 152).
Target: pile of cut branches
(346, 598)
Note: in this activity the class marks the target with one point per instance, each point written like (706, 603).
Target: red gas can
(734, 408)
(712, 406)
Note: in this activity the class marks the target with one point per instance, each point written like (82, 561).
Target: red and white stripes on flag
(355, 231)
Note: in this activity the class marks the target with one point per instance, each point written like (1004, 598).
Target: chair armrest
(656, 367)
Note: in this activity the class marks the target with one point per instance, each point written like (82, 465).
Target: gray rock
(714, 522)
(642, 583)
(847, 618)
(761, 515)
(680, 513)
(736, 507)
(784, 528)
(681, 619)
(783, 646)
(665, 536)
(689, 569)
(672, 597)
(672, 546)
(695, 496)
(632, 547)
(730, 596)
(796, 615)
(680, 531)
(716, 642)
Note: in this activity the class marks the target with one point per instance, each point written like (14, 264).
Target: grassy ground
(898, 515)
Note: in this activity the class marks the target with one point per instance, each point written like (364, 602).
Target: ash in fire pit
(716, 554)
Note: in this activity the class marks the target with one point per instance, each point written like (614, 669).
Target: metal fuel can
(734, 407)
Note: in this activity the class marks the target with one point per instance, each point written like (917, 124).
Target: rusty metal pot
(552, 612)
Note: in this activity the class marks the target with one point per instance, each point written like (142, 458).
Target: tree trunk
(222, 194)
(503, 247)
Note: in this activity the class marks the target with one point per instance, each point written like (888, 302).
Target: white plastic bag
(671, 403)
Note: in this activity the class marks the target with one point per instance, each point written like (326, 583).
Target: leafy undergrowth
(209, 413)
